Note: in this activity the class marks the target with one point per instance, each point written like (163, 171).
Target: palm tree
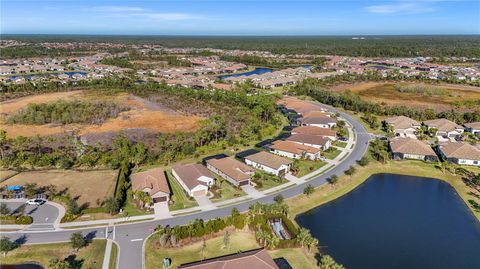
(303, 236)
(311, 243)
(272, 241)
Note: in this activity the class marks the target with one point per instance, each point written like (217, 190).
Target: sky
(247, 17)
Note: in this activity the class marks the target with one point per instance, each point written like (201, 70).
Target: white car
(36, 202)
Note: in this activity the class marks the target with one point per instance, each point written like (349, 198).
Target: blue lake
(398, 222)
(256, 71)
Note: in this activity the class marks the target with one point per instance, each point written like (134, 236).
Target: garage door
(245, 182)
(160, 199)
(199, 193)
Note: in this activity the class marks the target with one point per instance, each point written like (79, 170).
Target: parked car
(36, 202)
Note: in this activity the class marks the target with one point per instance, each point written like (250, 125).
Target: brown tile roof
(317, 120)
(442, 125)
(473, 125)
(460, 150)
(313, 130)
(253, 259)
(316, 113)
(309, 139)
(293, 147)
(190, 173)
(153, 179)
(411, 146)
(300, 106)
(232, 168)
(268, 159)
(402, 122)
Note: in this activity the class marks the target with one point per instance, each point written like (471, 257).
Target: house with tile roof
(403, 126)
(195, 179)
(316, 141)
(235, 172)
(153, 182)
(294, 150)
(473, 127)
(444, 127)
(459, 153)
(411, 148)
(253, 259)
(269, 163)
(312, 130)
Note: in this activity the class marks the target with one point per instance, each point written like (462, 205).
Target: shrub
(364, 161)
(69, 218)
(333, 179)
(23, 220)
(350, 171)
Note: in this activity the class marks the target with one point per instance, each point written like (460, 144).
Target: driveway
(251, 191)
(204, 203)
(161, 210)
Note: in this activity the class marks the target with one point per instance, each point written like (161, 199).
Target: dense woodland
(371, 46)
(66, 112)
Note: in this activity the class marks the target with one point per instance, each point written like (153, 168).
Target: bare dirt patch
(86, 186)
(143, 114)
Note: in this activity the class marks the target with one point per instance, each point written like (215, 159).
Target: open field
(239, 241)
(87, 186)
(142, 114)
(439, 97)
(346, 184)
(90, 257)
(4, 174)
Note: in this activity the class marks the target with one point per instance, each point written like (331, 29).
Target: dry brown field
(142, 114)
(447, 98)
(85, 186)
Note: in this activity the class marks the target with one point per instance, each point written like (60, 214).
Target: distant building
(460, 153)
(445, 128)
(269, 163)
(235, 172)
(322, 122)
(253, 259)
(411, 148)
(195, 179)
(153, 182)
(294, 150)
(312, 130)
(316, 141)
(473, 127)
(403, 126)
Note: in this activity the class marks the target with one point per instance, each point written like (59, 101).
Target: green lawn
(130, 209)
(113, 257)
(90, 257)
(180, 198)
(298, 258)
(270, 181)
(341, 144)
(226, 190)
(154, 254)
(331, 153)
(308, 166)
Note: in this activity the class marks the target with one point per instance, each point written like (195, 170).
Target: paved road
(130, 237)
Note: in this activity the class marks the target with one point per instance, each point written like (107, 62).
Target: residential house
(411, 148)
(322, 122)
(235, 172)
(460, 153)
(253, 259)
(473, 127)
(316, 141)
(269, 163)
(153, 182)
(403, 126)
(444, 127)
(195, 179)
(294, 150)
(312, 130)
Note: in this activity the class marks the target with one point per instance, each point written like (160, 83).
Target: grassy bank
(89, 257)
(113, 257)
(346, 184)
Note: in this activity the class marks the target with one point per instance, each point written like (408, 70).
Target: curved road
(130, 237)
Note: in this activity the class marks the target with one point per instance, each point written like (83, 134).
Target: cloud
(400, 8)
(139, 12)
(168, 16)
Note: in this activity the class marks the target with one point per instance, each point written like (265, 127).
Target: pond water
(256, 71)
(398, 222)
(21, 266)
